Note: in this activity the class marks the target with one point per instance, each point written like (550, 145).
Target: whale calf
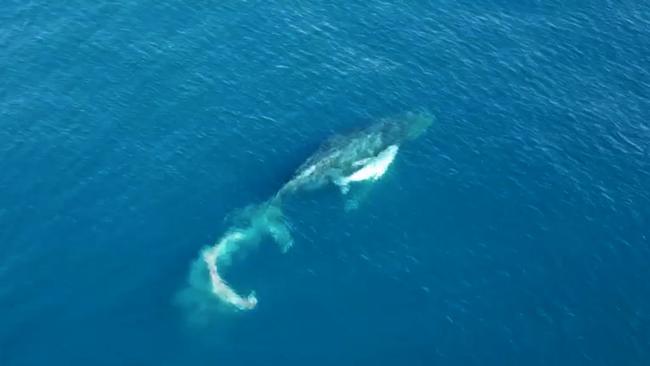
(342, 161)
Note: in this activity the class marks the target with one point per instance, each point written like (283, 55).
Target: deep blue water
(516, 232)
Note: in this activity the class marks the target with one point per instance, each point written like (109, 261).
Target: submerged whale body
(342, 156)
(342, 161)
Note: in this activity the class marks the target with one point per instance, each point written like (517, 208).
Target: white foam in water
(265, 220)
(220, 288)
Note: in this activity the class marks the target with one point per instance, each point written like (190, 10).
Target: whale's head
(406, 126)
(415, 124)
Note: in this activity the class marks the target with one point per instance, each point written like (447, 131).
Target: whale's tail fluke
(257, 222)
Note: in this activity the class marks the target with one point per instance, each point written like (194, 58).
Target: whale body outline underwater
(342, 160)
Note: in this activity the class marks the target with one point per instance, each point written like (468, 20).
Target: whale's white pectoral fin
(371, 169)
(375, 167)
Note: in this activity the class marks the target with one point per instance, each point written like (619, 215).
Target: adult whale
(343, 160)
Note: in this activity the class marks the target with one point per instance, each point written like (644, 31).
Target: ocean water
(516, 231)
